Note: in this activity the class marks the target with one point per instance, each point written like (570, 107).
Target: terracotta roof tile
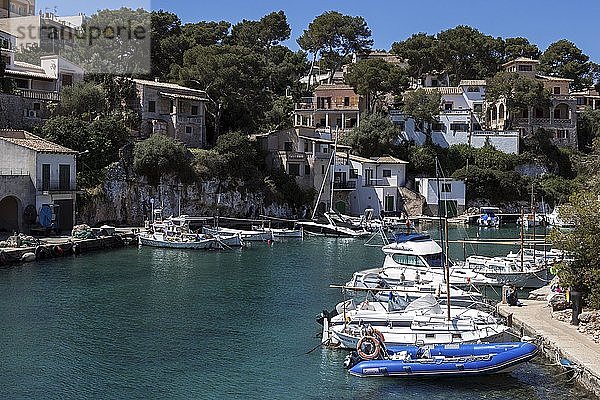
(33, 142)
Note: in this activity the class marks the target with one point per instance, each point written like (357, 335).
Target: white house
(460, 120)
(368, 183)
(443, 194)
(34, 173)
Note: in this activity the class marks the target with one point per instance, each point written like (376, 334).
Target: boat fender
(553, 270)
(42, 252)
(368, 347)
(57, 251)
(28, 257)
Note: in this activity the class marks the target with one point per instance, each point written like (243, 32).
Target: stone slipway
(558, 339)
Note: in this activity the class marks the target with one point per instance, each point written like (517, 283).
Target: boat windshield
(435, 260)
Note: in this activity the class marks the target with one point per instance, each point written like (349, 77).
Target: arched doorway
(9, 214)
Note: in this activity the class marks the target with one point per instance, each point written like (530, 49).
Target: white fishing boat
(259, 235)
(175, 232)
(422, 322)
(197, 242)
(327, 226)
(418, 258)
(286, 233)
(506, 271)
(554, 219)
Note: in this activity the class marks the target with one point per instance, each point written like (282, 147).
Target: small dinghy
(372, 358)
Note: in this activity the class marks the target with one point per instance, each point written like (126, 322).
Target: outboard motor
(326, 315)
(352, 359)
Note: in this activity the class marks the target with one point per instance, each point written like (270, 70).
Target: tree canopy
(565, 60)
(424, 107)
(374, 78)
(335, 36)
(374, 137)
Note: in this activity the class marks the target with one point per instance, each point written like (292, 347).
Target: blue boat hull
(448, 360)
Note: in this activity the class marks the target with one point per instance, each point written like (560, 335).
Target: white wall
(428, 188)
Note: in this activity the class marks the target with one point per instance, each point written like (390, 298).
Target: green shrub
(159, 156)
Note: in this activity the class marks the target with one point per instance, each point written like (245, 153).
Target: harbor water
(146, 323)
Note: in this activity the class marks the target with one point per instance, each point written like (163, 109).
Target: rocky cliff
(126, 199)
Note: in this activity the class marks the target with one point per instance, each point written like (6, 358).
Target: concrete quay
(558, 340)
(69, 245)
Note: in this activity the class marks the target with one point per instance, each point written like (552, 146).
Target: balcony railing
(349, 185)
(13, 172)
(56, 187)
(38, 94)
(189, 120)
(293, 155)
(495, 133)
(543, 121)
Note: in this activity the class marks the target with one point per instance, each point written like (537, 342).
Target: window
(446, 187)
(22, 83)
(557, 113)
(556, 90)
(194, 110)
(353, 174)
(346, 101)
(437, 127)
(64, 177)
(67, 80)
(325, 149)
(525, 68)
(152, 106)
(306, 148)
(581, 101)
(306, 169)
(189, 130)
(322, 169)
(294, 169)
(37, 106)
(287, 146)
(45, 177)
(448, 106)
(473, 89)
(562, 134)
(368, 177)
(387, 173)
(435, 83)
(173, 107)
(459, 127)
(478, 107)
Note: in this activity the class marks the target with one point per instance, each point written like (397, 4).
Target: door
(64, 214)
(389, 204)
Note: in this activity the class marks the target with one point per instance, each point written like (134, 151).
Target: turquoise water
(166, 324)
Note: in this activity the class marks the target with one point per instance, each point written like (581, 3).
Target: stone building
(333, 108)
(173, 110)
(560, 118)
(35, 173)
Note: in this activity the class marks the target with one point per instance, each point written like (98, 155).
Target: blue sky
(541, 21)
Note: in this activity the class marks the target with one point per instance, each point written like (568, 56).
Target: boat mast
(443, 226)
(329, 164)
(337, 135)
(522, 233)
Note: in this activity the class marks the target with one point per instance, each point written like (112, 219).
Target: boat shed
(35, 174)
